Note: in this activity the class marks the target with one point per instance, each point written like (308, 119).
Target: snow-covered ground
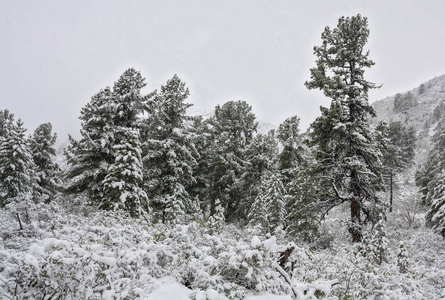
(73, 251)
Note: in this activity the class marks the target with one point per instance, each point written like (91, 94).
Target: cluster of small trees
(402, 103)
(26, 166)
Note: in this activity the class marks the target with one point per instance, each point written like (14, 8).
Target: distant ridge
(420, 115)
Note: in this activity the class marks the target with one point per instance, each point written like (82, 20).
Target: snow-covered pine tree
(348, 160)
(217, 220)
(274, 198)
(402, 258)
(6, 122)
(435, 216)
(291, 156)
(258, 213)
(378, 244)
(169, 155)
(16, 164)
(231, 129)
(302, 219)
(128, 102)
(89, 158)
(123, 183)
(397, 145)
(102, 119)
(200, 135)
(46, 172)
(431, 179)
(260, 161)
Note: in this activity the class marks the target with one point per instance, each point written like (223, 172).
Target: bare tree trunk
(390, 192)
(20, 222)
(355, 217)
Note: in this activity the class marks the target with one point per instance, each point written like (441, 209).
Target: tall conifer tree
(431, 179)
(103, 118)
(348, 160)
(169, 155)
(46, 172)
(232, 129)
(123, 183)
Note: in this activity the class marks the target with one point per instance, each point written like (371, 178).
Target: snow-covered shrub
(402, 258)
(251, 266)
(60, 252)
(375, 244)
(217, 220)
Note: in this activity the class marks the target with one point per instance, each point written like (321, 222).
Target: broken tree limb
(20, 222)
(287, 278)
(284, 256)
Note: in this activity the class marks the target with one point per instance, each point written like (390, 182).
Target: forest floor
(72, 251)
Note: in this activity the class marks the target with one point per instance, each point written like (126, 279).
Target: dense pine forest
(154, 203)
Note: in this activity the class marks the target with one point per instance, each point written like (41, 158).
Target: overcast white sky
(55, 55)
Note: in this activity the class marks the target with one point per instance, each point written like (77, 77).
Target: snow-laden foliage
(258, 213)
(431, 179)
(16, 164)
(348, 160)
(6, 122)
(63, 252)
(169, 155)
(302, 218)
(231, 130)
(47, 175)
(107, 255)
(103, 118)
(375, 244)
(123, 184)
(275, 202)
(217, 220)
(259, 162)
(291, 155)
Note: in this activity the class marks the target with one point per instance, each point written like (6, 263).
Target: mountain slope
(421, 108)
(420, 113)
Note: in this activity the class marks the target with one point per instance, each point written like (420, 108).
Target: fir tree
(122, 185)
(274, 198)
(378, 244)
(397, 145)
(435, 216)
(6, 122)
(260, 161)
(302, 219)
(102, 118)
(431, 179)
(291, 140)
(231, 130)
(46, 172)
(348, 161)
(200, 135)
(169, 154)
(89, 158)
(402, 258)
(217, 220)
(258, 213)
(16, 164)
(128, 102)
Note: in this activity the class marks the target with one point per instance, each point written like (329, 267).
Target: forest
(152, 200)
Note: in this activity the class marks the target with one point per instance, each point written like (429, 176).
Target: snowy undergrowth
(81, 253)
(111, 256)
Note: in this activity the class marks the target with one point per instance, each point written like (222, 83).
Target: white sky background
(55, 55)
